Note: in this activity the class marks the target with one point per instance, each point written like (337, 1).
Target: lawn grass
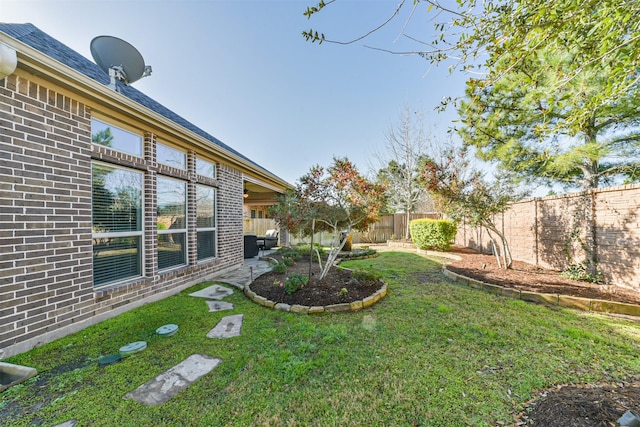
(431, 353)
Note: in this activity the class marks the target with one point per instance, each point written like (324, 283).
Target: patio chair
(270, 239)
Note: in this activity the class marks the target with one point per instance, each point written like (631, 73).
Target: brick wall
(46, 283)
(550, 232)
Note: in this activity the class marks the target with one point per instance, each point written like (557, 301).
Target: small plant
(304, 250)
(280, 267)
(288, 261)
(343, 291)
(581, 272)
(292, 253)
(292, 282)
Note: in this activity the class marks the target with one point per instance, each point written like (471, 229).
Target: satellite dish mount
(119, 59)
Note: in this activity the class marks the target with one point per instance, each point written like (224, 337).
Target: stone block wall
(551, 232)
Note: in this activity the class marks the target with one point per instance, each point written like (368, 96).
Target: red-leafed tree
(337, 199)
(463, 193)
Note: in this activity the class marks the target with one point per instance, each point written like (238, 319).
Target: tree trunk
(506, 252)
(407, 229)
(495, 249)
(333, 253)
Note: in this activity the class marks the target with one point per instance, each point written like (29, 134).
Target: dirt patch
(339, 286)
(582, 405)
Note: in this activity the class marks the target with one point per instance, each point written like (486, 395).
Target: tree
(336, 198)
(405, 145)
(477, 34)
(541, 128)
(464, 194)
(523, 121)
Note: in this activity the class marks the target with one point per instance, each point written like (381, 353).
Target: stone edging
(567, 301)
(304, 309)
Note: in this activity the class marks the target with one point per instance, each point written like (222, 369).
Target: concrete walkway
(243, 276)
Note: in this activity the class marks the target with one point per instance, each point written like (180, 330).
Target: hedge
(433, 233)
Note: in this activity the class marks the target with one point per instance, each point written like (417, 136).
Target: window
(172, 224)
(116, 138)
(253, 213)
(116, 223)
(260, 214)
(171, 157)
(206, 222)
(205, 168)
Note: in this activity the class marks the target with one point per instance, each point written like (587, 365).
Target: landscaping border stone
(566, 301)
(334, 308)
(303, 309)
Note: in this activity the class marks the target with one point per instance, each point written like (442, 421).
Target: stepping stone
(228, 327)
(67, 424)
(171, 382)
(216, 292)
(219, 306)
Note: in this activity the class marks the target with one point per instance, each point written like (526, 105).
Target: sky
(241, 70)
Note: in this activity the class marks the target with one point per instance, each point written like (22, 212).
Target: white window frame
(200, 161)
(119, 234)
(183, 231)
(213, 229)
(138, 137)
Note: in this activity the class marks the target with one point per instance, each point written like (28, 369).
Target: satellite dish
(118, 58)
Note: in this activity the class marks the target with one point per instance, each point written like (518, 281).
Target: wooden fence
(389, 227)
(258, 226)
(551, 232)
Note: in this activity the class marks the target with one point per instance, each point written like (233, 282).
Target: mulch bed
(337, 287)
(582, 405)
(528, 277)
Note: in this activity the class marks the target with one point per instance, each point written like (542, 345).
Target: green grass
(431, 354)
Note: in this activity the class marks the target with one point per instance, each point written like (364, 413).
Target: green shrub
(292, 282)
(581, 272)
(432, 233)
(304, 249)
(280, 267)
(292, 253)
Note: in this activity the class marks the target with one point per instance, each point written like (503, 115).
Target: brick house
(108, 200)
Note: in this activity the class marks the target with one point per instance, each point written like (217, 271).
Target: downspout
(8, 61)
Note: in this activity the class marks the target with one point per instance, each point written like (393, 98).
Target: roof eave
(43, 66)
